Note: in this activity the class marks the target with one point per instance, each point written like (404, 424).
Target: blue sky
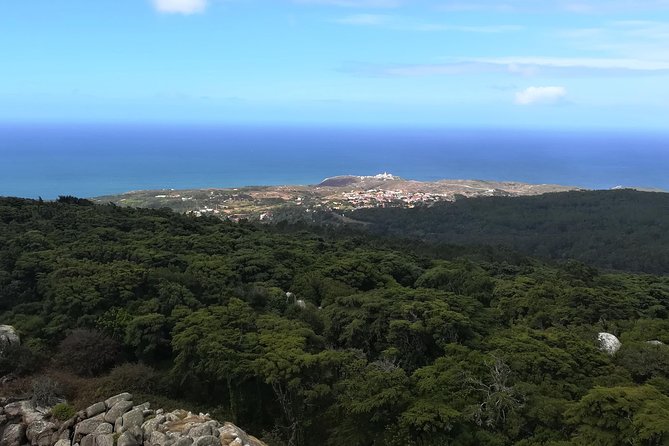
(508, 63)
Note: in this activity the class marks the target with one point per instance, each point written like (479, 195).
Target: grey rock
(236, 442)
(117, 410)
(88, 440)
(14, 409)
(183, 441)
(95, 409)
(13, 435)
(202, 430)
(63, 442)
(132, 419)
(655, 342)
(143, 406)
(85, 427)
(125, 439)
(104, 440)
(609, 343)
(207, 440)
(8, 337)
(156, 439)
(109, 402)
(39, 432)
(104, 428)
(150, 425)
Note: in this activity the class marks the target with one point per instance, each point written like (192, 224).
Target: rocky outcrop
(609, 343)
(8, 337)
(116, 421)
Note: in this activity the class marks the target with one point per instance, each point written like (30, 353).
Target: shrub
(63, 411)
(88, 352)
(134, 378)
(46, 392)
(17, 359)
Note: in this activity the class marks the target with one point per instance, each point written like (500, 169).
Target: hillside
(620, 229)
(343, 193)
(309, 340)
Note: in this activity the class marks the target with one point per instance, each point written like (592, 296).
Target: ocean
(92, 160)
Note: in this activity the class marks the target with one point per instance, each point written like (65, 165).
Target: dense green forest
(620, 229)
(312, 339)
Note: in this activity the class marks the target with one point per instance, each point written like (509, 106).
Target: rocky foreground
(116, 421)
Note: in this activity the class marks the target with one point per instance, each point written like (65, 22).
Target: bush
(19, 359)
(46, 392)
(63, 411)
(134, 378)
(88, 352)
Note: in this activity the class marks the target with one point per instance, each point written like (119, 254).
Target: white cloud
(541, 95)
(399, 23)
(569, 6)
(180, 6)
(524, 67)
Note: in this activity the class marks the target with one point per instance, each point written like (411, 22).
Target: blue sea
(93, 160)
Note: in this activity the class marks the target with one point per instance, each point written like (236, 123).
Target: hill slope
(307, 340)
(621, 229)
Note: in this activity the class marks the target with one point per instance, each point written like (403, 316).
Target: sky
(508, 63)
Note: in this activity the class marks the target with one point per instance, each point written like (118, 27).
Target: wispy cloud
(180, 6)
(403, 24)
(568, 6)
(355, 3)
(523, 66)
(541, 96)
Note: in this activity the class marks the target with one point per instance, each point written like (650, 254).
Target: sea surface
(92, 160)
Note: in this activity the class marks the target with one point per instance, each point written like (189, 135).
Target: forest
(616, 229)
(310, 337)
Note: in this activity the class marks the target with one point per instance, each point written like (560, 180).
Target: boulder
(150, 425)
(104, 440)
(203, 430)
(609, 343)
(117, 410)
(143, 406)
(8, 337)
(104, 428)
(128, 439)
(86, 427)
(63, 442)
(39, 432)
(13, 435)
(156, 439)
(88, 440)
(655, 342)
(207, 440)
(95, 409)
(184, 441)
(109, 402)
(131, 420)
(14, 409)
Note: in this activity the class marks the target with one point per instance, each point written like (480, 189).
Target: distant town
(336, 194)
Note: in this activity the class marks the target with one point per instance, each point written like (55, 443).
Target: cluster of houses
(379, 197)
